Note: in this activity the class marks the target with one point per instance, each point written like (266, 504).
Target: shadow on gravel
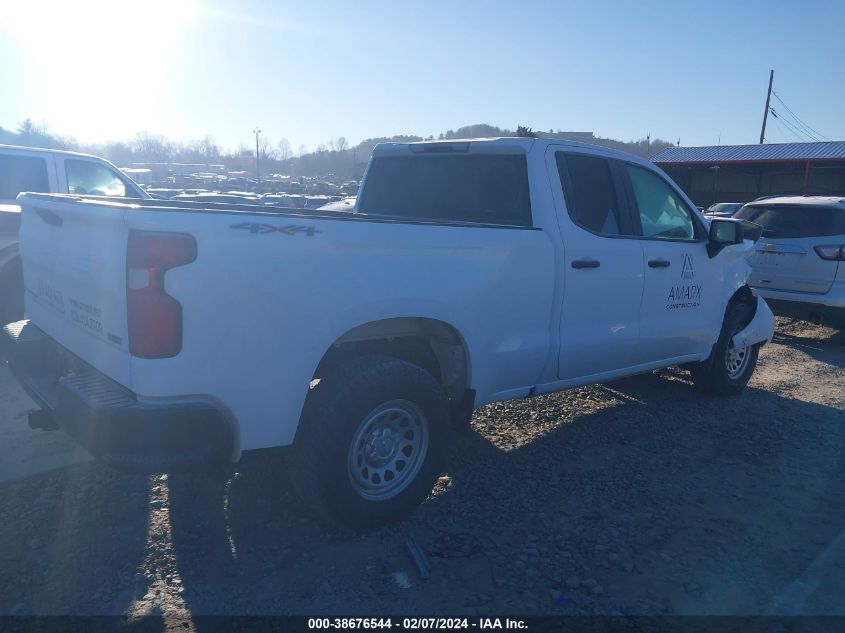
(657, 500)
(71, 541)
(827, 349)
(637, 497)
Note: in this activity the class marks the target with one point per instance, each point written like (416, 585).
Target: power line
(796, 131)
(805, 126)
(785, 130)
(797, 125)
(811, 131)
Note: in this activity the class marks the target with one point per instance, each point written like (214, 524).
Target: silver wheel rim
(736, 360)
(388, 450)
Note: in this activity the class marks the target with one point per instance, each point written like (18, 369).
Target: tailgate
(74, 267)
(792, 265)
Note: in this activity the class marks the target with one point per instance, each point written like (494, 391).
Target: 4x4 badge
(686, 270)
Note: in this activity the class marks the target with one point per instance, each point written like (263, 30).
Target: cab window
(591, 198)
(662, 213)
(93, 179)
(22, 173)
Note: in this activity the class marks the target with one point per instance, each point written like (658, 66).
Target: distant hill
(641, 147)
(338, 158)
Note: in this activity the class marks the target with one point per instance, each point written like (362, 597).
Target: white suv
(799, 263)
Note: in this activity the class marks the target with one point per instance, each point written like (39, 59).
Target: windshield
(726, 208)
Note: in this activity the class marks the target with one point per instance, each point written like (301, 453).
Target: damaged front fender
(760, 330)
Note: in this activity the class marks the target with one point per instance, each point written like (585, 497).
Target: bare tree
(284, 150)
(152, 147)
(303, 150)
(341, 144)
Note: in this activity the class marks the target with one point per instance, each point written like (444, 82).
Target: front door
(682, 299)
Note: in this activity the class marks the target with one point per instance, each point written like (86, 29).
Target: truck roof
(502, 144)
(45, 150)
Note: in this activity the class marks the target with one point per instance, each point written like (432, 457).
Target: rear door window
(482, 188)
(591, 197)
(796, 220)
(22, 173)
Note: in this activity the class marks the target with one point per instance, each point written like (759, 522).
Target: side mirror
(723, 233)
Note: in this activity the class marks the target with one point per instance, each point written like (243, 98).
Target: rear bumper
(107, 418)
(833, 298)
(806, 310)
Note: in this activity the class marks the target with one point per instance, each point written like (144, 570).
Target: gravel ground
(637, 497)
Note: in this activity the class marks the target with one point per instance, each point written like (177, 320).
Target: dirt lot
(636, 497)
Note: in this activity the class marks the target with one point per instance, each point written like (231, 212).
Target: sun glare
(85, 58)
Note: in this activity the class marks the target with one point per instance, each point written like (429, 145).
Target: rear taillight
(834, 252)
(154, 318)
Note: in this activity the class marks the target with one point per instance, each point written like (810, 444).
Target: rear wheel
(11, 293)
(371, 441)
(729, 368)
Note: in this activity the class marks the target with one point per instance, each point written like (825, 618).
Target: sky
(310, 72)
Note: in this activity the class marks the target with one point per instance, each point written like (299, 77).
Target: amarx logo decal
(687, 271)
(291, 229)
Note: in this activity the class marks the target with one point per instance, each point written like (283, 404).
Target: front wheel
(729, 368)
(371, 441)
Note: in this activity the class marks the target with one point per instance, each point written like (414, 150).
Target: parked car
(277, 199)
(723, 209)
(344, 204)
(799, 263)
(218, 198)
(470, 272)
(163, 193)
(46, 171)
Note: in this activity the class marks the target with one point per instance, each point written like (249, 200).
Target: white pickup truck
(45, 171)
(165, 334)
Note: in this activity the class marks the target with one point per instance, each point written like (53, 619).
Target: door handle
(659, 263)
(586, 263)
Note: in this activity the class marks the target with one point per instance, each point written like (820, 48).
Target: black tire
(11, 293)
(836, 318)
(713, 375)
(322, 464)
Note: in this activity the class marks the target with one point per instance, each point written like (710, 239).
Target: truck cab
(45, 171)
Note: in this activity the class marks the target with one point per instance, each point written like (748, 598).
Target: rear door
(785, 257)
(603, 266)
(74, 265)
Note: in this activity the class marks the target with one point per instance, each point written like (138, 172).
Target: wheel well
(428, 343)
(744, 295)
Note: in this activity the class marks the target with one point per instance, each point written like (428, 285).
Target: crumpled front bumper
(760, 330)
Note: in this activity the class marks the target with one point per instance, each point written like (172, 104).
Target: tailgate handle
(49, 217)
(659, 263)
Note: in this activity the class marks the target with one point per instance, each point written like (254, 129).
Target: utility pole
(647, 144)
(256, 131)
(766, 112)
